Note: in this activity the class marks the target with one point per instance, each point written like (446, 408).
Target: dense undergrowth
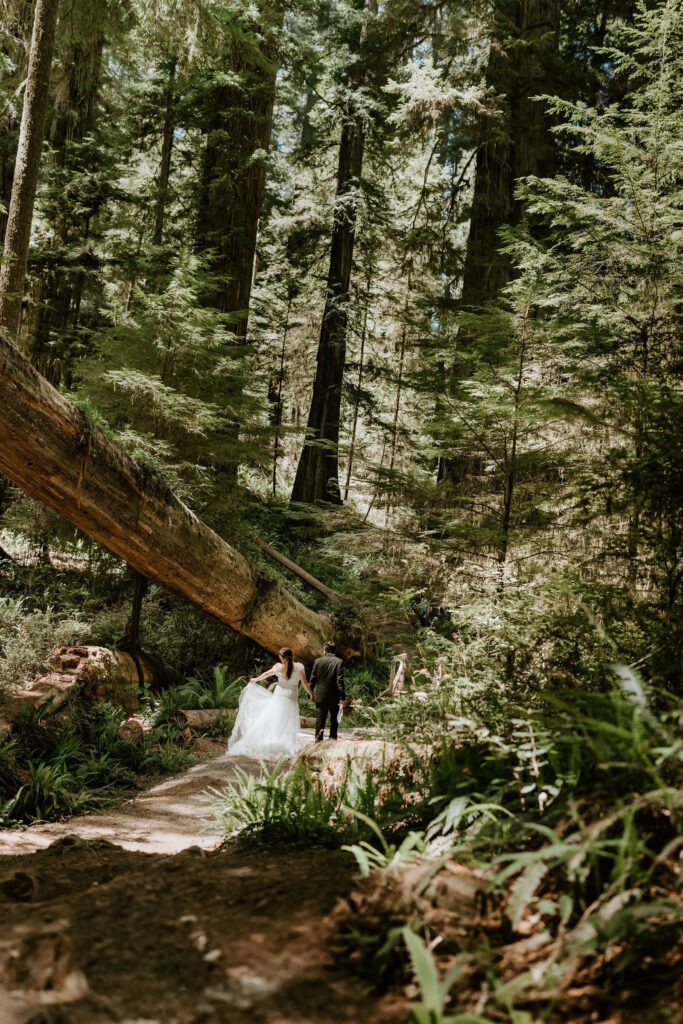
(571, 811)
(74, 760)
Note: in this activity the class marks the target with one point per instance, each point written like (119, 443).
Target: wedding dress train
(267, 723)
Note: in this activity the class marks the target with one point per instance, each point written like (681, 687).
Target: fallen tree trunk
(203, 718)
(50, 449)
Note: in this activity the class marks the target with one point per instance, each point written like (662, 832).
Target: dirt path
(168, 818)
(135, 917)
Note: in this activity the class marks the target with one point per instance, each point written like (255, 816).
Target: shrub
(294, 806)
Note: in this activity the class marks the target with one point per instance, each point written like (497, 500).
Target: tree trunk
(277, 417)
(397, 404)
(165, 167)
(317, 475)
(49, 448)
(231, 186)
(237, 132)
(356, 402)
(524, 146)
(14, 53)
(20, 216)
(296, 569)
(61, 286)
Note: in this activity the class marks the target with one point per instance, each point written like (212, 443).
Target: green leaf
(523, 891)
(425, 970)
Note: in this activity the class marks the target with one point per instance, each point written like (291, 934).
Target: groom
(327, 683)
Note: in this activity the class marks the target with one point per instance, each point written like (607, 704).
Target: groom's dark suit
(327, 683)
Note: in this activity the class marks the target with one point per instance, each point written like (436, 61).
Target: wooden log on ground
(103, 674)
(50, 449)
(203, 718)
(296, 569)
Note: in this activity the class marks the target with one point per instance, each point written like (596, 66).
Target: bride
(267, 724)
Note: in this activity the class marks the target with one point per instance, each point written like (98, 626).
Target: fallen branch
(301, 573)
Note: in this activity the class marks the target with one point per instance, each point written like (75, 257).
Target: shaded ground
(134, 916)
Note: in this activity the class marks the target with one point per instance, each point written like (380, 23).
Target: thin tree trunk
(50, 449)
(356, 402)
(27, 166)
(397, 406)
(15, 51)
(278, 400)
(317, 475)
(510, 468)
(166, 150)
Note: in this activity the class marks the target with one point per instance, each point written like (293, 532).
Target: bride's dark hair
(287, 659)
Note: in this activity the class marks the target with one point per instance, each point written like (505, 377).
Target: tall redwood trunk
(317, 475)
(523, 147)
(61, 289)
(20, 215)
(232, 177)
(230, 192)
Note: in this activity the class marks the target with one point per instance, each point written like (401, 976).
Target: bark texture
(317, 475)
(50, 449)
(166, 150)
(521, 145)
(63, 282)
(237, 136)
(15, 46)
(20, 215)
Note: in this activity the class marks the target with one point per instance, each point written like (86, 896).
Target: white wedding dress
(267, 723)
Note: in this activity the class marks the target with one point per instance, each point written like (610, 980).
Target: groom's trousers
(331, 705)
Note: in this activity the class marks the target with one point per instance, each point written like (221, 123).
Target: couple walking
(267, 723)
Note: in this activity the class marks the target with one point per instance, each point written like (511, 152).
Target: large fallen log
(50, 449)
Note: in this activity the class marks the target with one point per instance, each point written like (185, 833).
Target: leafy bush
(575, 811)
(196, 693)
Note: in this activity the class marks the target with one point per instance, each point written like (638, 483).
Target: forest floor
(135, 915)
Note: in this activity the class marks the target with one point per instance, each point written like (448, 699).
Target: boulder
(106, 674)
